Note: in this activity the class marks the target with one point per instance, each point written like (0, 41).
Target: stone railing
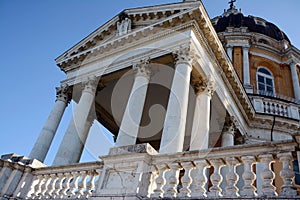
(65, 182)
(275, 107)
(185, 175)
(261, 171)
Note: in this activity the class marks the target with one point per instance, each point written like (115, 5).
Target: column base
(249, 89)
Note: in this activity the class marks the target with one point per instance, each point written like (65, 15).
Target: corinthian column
(295, 79)
(133, 113)
(200, 128)
(174, 126)
(43, 143)
(228, 132)
(72, 144)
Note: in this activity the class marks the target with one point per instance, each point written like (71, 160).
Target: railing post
(37, 188)
(82, 184)
(232, 178)
(66, 185)
(249, 177)
(58, 185)
(200, 180)
(73, 186)
(186, 180)
(91, 183)
(51, 185)
(267, 175)
(287, 189)
(160, 181)
(172, 180)
(216, 178)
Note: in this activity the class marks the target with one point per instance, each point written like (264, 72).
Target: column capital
(184, 55)
(63, 93)
(206, 86)
(90, 85)
(230, 125)
(142, 68)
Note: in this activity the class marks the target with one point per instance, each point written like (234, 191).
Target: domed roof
(234, 18)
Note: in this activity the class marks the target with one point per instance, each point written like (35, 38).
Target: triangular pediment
(139, 19)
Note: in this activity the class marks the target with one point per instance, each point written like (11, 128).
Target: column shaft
(200, 128)
(295, 80)
(174, 125)
(74, 139)
(133, 112)
(229, 52)
(43, 143)
(246, 70)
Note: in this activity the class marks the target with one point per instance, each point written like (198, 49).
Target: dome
(234, 18)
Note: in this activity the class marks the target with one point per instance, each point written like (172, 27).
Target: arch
(265, 81)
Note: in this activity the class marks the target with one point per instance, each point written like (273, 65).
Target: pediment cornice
(139, 16)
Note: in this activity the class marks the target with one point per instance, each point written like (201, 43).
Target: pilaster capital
(184, 55)
(142, 68)
(63, 93)
(207, 86)
(90, 85)
(230, 125)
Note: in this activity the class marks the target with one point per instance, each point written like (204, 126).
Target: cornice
(109, 28)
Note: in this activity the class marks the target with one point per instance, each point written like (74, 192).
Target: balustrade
(247, 155)
(68, 182)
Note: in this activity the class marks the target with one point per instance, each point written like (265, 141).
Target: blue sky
(34, 33)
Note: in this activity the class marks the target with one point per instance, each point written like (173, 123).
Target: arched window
(265, 82)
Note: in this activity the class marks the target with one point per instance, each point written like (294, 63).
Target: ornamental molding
(142, 68)
(205, 86)
(110, 28)
(64, 93)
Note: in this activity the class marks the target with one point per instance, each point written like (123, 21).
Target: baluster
(160, 181)
(45, 185)
(173, 180)
(249, 177)
(276, 108)
(268, 189)
(232, 178)
(200, 180)
(74, 184)
(51, 185)
(82, 183)
(58, 185)
(186, 180)
(37, 187)
(216, 178)
(66, 185)
(288, 188)
(265, 107)
(91, 183)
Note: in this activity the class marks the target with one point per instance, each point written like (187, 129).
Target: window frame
(265, 76)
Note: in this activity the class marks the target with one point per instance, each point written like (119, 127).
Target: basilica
(199, 108)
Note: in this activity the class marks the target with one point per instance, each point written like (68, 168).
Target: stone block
(137, 148)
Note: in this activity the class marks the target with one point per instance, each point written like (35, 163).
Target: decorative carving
(124, 24)
(142, 68)
(184, 55)
(90, 84)
(207, 86)
(63, 93)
